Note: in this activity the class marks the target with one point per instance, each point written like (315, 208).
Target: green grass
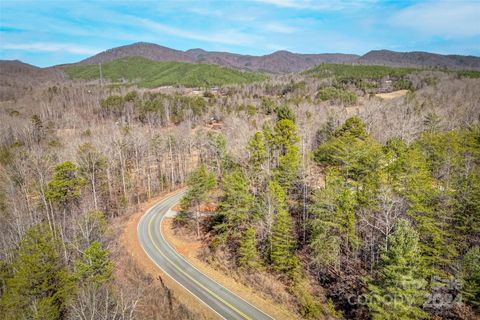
(148, 73)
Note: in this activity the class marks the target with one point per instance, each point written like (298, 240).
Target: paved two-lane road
(225, 303)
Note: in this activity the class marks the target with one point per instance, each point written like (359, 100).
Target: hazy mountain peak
(277, 62)
(281, 52)
(420, 59)
(281, 61)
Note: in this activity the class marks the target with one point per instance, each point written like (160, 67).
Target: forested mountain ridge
(277, 62)
(419, 59)
(141, 49)
(151, 74)
(281, 61)
(284, 61)
(17, 77)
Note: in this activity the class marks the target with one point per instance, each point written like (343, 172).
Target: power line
(101, 75)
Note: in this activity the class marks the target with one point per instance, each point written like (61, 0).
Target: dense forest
(329, 198)
(151, 74)
(392, 220)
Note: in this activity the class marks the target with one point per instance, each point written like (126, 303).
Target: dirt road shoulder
(190, 249)
(129, 240)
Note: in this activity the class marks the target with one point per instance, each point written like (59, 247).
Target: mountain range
(17, 77)
(276, 62)
(285, 61)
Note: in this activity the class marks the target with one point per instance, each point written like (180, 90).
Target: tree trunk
(197, 218)
(94, 191)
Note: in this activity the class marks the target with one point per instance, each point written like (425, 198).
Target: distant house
(386, 85)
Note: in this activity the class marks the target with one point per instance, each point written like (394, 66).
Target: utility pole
(101, 75)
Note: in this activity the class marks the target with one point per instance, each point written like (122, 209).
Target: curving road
(223, 302)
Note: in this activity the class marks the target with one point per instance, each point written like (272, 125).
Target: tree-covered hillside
(372, 78)
(394, 227)
(150, 74)
(349, 71)
(322, 197)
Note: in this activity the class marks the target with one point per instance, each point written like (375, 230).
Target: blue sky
(47, 32)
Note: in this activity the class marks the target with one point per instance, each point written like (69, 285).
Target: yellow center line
(190, 277)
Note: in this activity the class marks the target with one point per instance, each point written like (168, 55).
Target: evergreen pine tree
(414, 181)
(326, 131)
(200, 182)
(353, 127)
(65, 184)
(237, 201)
(396, 292)
(288, 164)
(283, 242)
(258, 161)
(471, 276)
(466, 203)
(38, 286)
(334, 224)
(258, 151)
(248, 254)
(235, 205)
(285, 112)
(288, 159)
(95, 266)
(352, 150)
(285, 134)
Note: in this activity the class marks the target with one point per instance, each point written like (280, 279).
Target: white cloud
(445, 19)
(227, 36)
(50, 47)
(206, 12)
(279, 28)
(237, 16)
(326, 5)
(275, 47)
(286, 3)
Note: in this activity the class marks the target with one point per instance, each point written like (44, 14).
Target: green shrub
(468, 74)
(309, 308)
(268, 105)
(337, 95)
(251, 110)
(403, 84)
(285, 112)
(182, 219)
(112, 102)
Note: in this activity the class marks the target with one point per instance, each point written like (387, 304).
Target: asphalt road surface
(222, 301)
